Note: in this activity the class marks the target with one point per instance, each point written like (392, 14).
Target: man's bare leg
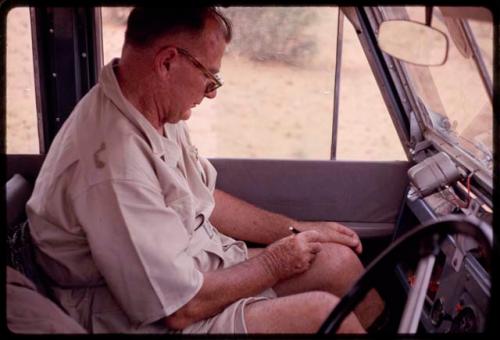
(334, 270)
(299, 313)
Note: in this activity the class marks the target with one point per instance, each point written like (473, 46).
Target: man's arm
(287, 257)
(244, 221)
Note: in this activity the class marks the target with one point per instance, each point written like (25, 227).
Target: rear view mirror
(413, 42)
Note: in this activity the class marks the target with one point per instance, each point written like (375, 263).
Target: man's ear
(163, 60)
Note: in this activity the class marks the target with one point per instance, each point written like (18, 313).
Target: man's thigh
(231, 320)
(298, 313)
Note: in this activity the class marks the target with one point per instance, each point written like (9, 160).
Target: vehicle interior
(424, 213)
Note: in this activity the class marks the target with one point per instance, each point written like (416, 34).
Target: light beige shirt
(120, 214)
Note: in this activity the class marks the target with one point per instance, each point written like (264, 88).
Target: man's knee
(339, 261)
(342, 257)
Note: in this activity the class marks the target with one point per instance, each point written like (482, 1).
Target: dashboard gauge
(464, 322)
(437, 312)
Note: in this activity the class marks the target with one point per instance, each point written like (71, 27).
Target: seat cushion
(30, 312)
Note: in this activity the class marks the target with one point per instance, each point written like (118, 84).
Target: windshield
(457, 94)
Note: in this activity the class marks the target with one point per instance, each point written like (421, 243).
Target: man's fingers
(345, 230)
(350, 241)
(359, 248)
(342, 235)
(315, 247)
(311, 235)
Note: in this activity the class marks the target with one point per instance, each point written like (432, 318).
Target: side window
(114, 21)
(365, 128)
(21, 113)
(277, 98)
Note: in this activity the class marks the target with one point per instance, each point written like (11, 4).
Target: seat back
(20, 251)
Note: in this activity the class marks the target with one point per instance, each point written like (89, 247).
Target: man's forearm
(222, 287)
(244, 221)
(280, 260)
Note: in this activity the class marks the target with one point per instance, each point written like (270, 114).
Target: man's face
(198, 63)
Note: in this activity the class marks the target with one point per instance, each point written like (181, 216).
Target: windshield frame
(424, 132)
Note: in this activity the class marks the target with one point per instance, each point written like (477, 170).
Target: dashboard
(458, 295)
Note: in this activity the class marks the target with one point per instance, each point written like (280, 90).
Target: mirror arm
(478, 59)
(428, 15)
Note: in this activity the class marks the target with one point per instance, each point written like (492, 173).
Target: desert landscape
(274, 103)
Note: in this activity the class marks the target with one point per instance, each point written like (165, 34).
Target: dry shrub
(272, 33)
(116, 15)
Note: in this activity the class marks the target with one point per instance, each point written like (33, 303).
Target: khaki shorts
(231, 320)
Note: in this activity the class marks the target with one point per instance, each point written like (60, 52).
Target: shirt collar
(159, 144)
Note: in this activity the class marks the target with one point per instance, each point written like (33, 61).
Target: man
(128, 223)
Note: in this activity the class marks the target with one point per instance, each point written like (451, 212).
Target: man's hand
(333, 232)
(293, 254)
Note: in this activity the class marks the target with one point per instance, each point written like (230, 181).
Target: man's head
(145, 25)
(174, 54)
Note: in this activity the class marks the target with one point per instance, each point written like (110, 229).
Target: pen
(293, 230)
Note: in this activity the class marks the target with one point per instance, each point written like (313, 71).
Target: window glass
(366, 131)
(277, 98)
(454, 93)
(114, 21)
(21, 128)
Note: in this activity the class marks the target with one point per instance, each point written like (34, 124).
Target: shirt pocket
(206, 249)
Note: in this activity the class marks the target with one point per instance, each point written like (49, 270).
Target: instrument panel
(457, 299)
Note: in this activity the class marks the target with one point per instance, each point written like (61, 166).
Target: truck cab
(377, 117)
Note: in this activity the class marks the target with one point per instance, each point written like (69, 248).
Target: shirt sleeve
(139, 245)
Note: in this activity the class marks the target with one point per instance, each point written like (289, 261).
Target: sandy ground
(265, 109)
(21, 127)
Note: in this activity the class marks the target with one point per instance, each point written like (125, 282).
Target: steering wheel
(426, 238)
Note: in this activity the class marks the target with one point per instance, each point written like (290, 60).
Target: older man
(128, 223)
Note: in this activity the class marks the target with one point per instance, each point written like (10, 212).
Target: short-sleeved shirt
(120, 215)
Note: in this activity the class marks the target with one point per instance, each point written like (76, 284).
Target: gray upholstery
(20, 252)
(17, 192)
(29, 309)
(29, 312)
(364, 195)
(27, 166)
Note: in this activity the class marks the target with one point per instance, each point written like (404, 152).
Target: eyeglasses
(215, 79)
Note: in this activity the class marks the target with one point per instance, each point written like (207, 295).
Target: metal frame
(336, 89)
(476, 55)
(67, 56)
(393, 95)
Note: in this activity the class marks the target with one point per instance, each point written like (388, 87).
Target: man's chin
(177, 118)
(186, 114)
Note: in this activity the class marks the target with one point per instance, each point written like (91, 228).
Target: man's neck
(137, 94)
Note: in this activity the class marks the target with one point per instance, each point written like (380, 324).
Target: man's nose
(211, 94)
